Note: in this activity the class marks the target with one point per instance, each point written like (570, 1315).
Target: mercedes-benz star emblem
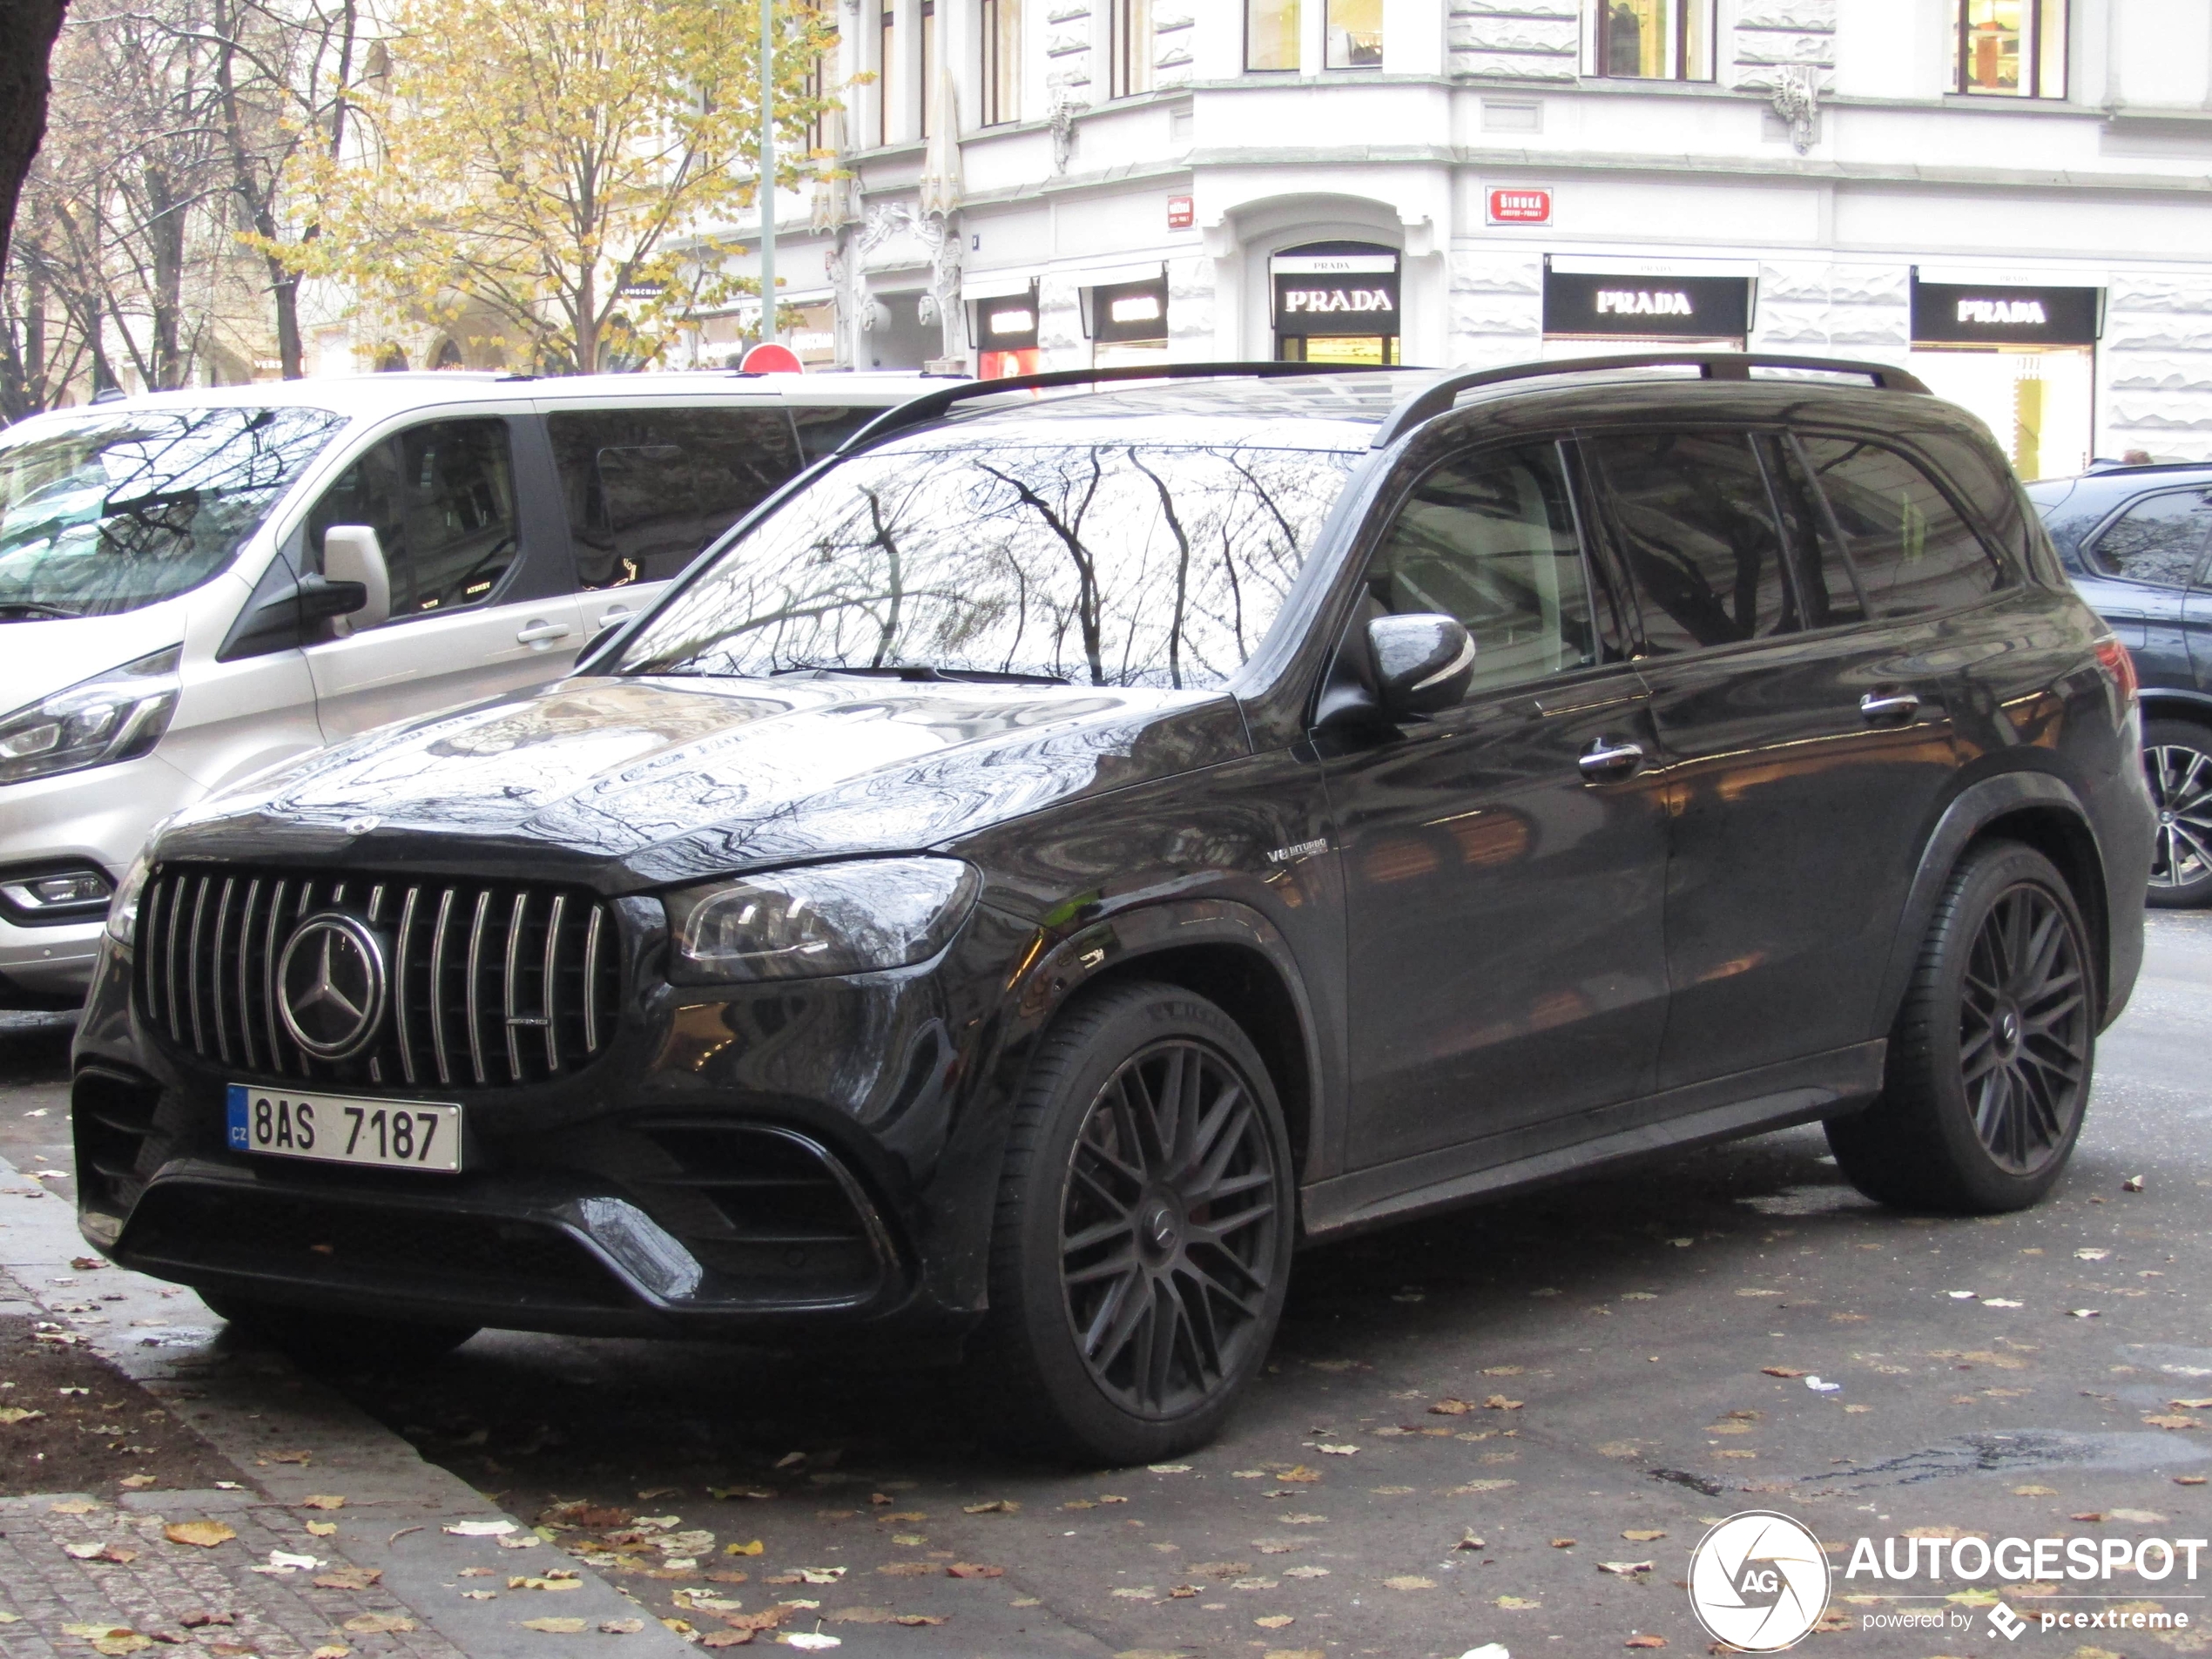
(331, 985)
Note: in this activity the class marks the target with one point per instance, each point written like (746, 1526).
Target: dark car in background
(1072, 846)
(2137, 542)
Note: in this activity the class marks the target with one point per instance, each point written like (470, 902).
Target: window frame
(1704, 71)
(999, 66)
(886, 57)
(2033, 49)
(1298, 27)
(1328, 21)
(1128, 43)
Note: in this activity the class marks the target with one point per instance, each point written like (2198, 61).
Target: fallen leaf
(2091, 1255)
(10, 1415)
(1338, 1451)
(719, 1638)
(481, 1529)
(1169, 1468)
(331, 1650)
(1468, 1540)
(1518, 1603)
(1782, 1371)
(752, 1547)
(2084, 1313)
(550, 1627)
(1645, 1642)
(1643, 1536)
(204, 1534)
(1499, 1403)
(350, 1578)
(2132, 1183)
(323, 1501)
(819, 1575)
(1563, 1543)
(322, 1528)
(1409, 1581)
(1451, 1407)
(2203, 1405)
(300, 1458)
(1474, 1487)
(621, 1627)
(905, 1570)
(378, 1624)
(137, 1482)
(1305, 1572)
(2138, 1517)
(973, 1569)
(1276, 1620)
(2189, 1479)
(1624, 1570)
(927, 1618)
(1299, 1474)
(2171, 1421)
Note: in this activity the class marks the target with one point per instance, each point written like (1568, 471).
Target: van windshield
(1123, 563)
(103, 512)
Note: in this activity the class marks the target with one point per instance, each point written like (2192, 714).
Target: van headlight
(116, 716)
(818, 920)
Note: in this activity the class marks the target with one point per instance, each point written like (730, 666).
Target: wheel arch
(2035, 809)
(2166, 702)
(1222, 950)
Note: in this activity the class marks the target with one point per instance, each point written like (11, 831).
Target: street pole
(767, 190)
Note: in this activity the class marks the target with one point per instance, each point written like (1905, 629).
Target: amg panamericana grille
(490, 983)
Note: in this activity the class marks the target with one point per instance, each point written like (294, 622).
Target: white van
(197, 584)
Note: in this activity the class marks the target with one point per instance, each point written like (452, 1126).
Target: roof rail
(930, 404)
(1432, 400)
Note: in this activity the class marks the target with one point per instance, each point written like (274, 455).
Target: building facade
(2009, 196)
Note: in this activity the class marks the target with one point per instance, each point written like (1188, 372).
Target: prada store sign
(1948, 313)
(1686, 307)
(1331, 294)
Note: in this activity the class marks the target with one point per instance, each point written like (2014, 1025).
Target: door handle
(1606, 761)
(535, 632)
(1901, 706)
(613, 615)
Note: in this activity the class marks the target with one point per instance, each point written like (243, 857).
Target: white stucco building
(2010, 195)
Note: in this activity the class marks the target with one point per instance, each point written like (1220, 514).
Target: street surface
(1606, 1355)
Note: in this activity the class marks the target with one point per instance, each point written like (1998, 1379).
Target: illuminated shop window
(2013, 47)
(1654, 40)
(1271, 34)
(1355, 34)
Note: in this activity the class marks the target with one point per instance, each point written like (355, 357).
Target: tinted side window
(1489, 538)
(1987, 485)
(1697, 533)
(2158, 539)
(645, 489)
(440, 498)
(1827, 585)
(1913, 554)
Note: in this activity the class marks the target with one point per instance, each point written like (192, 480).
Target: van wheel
(1991, 1056)
(1142, 1238)
(2177, 757)
(323, 1339)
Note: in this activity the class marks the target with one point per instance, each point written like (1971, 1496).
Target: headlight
(818, 919)
(116, 716)
(123, 909)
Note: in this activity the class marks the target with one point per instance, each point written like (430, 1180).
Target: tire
(1991, 1058)
(1139, 1253)
(322, 1338)
(2177, 759)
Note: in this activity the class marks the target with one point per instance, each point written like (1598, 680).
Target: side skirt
(1749, 1103)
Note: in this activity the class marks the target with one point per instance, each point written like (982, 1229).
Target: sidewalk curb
(253, 1405)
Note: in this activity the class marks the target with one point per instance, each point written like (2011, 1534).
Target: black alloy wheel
(1992, 1053)
(1141, 1243)
(1168, 1222)
(2024, 1031)
(2177, 760)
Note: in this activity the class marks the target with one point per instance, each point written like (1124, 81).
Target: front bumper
(798, 1163)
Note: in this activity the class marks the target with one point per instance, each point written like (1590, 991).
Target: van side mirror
(351, 555)
(1423, 663)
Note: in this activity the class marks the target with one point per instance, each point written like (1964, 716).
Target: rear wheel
(1991, 1056)
(1142, 1238)
(2177, 759)
(323, 1337)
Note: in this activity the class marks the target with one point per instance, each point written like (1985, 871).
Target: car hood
(628, 784)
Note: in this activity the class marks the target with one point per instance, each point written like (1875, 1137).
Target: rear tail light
(2119, 667)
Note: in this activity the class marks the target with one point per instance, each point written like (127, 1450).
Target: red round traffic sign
(770, 358)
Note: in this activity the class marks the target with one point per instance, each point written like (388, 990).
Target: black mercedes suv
(1074, 846)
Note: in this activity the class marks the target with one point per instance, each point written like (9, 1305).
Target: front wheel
(2177, 759)
(1990, 1059)
(1142, 1238)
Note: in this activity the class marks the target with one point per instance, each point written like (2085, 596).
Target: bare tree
(27, 32)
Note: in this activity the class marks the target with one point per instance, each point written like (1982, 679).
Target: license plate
(389, 1134)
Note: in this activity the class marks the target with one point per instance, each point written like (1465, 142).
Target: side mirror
(351, 556)
(1423, 663)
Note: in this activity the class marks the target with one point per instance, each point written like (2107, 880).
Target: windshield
(102, 513)
(1126, 564)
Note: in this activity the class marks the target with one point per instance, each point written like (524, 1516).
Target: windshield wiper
(28, 610)
(926, 671)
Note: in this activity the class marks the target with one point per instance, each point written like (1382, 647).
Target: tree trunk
(27, 31)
